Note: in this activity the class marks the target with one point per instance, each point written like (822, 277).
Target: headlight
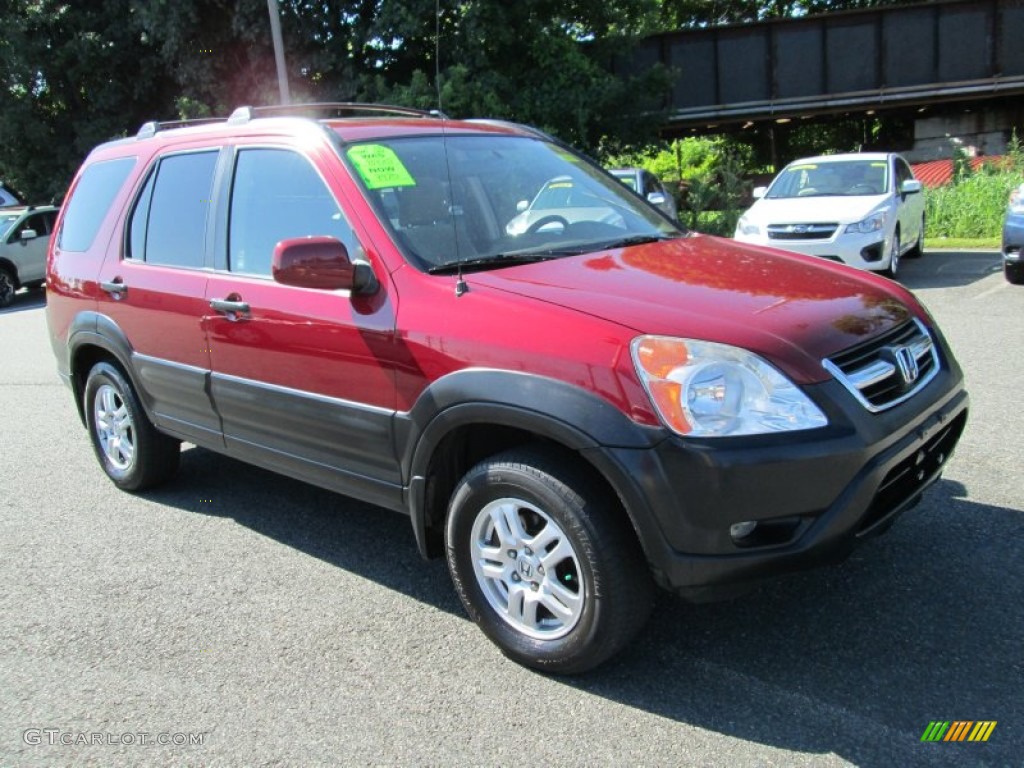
(704, 389)
(873, 223)
(745, 227)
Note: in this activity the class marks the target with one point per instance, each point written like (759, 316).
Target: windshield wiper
(485, 262)
(625, 242)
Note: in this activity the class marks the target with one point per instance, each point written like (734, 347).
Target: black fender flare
(574, 417)
(94, 329)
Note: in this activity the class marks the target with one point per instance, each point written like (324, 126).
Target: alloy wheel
(527, 569)
(114, 427)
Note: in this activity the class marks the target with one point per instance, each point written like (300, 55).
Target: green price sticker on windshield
(380, 167)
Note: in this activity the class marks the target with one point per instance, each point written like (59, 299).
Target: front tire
(8, 287)
(918, 250)
(1014, 273)
(894, 256)
(547, 566)
(134, 455)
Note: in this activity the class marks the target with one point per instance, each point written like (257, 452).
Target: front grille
(801, 231)
(889, 369)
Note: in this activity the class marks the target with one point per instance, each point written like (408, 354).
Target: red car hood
(793, 310)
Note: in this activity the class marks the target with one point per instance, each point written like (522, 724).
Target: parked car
(649, 187)
(7, 197)
(1013, 237)
(865, 210)
(24, 233)
(563, 202)
(568, 415)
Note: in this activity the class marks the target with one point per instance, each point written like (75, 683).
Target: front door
(302, 378)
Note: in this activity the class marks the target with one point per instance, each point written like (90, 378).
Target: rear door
(154, 295)
(303, 379)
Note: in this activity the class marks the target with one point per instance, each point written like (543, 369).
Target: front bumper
(814, 495)
(1013, 238)
(863, 251)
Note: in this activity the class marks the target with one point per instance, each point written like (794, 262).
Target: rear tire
(130, 450)
(546, 565)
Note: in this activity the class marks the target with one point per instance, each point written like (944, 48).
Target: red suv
(571, 411)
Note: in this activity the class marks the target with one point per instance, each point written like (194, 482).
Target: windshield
(493, 200)
(832, 178)
(6, 221)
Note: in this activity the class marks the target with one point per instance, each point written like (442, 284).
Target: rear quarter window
(90, 202)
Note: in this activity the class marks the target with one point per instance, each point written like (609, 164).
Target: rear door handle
(231, 306)
(115, 287)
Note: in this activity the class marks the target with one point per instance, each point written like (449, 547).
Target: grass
(962, 243)
(972, 209)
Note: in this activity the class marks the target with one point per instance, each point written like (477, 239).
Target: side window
(88, 206)
(648, 184)
(168, 224)
(277, 194)
(36, 224)
(903, 173)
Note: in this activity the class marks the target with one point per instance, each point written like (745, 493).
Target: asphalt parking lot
(248, 619)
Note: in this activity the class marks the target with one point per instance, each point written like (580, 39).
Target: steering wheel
(545, 221)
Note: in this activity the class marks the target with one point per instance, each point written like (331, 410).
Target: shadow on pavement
(24, 300)
(949, 269)
(922, 624)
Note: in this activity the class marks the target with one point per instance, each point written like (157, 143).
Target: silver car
(24, 233)
(649, 187)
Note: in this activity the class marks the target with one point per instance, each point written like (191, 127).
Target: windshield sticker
(805, 167)
(878, 165)
(379, 166)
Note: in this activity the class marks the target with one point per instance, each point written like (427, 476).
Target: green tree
(71, 78)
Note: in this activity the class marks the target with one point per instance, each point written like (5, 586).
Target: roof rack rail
(511, 124)
(151, 128)
(245, 114)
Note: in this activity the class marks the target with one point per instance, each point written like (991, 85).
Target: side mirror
(656, 198)
(29, 234)
(321, 263)
(759, 192)
(910, 187)
(522, 205)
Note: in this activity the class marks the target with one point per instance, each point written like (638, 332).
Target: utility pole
(275, 33)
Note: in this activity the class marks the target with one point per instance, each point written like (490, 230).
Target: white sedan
(865, 210)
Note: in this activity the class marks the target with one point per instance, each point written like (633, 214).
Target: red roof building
(937, 173)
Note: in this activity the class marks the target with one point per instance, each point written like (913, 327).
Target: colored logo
(958, 730)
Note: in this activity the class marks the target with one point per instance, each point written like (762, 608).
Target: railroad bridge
(947, 68)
